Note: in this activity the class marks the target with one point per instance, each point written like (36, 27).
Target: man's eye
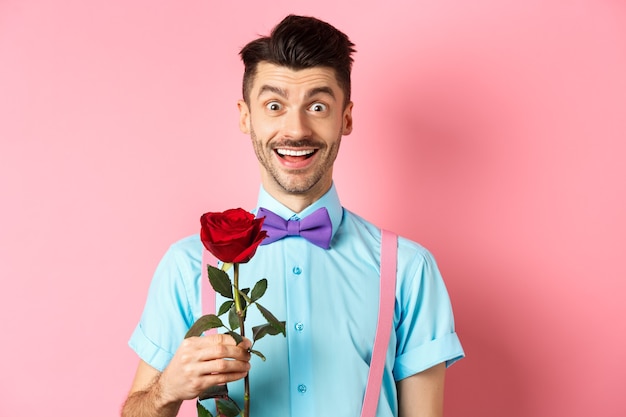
(273, 106)
(317, 107)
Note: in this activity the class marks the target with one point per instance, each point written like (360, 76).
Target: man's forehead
(281, 77)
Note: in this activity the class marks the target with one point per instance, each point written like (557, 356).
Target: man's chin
(296, 189)
(297, 186)
(303, 187)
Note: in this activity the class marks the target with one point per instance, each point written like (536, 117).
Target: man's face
(296, 120)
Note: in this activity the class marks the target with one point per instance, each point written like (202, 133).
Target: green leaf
(259, 354)
(220, 281)
(279, 325)
(225, 307)
(236, 336)
(258, 290)
(204, 323)
(244, 294)
(227, 407)
(263, 330)
(233, 318)
(202, 412)
(244, 302)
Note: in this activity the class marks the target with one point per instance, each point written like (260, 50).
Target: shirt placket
(298, 280)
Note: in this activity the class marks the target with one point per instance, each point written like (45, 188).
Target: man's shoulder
(407, 247)
(352, 219)
(188, 248)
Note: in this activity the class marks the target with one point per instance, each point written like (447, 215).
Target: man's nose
(296, 125)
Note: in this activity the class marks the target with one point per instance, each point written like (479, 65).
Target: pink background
(493, 132)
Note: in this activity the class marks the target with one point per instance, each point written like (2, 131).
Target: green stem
(242, 332)
(238, 308)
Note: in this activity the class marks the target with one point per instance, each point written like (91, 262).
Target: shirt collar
(330, 200)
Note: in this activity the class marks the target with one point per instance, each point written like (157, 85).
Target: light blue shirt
(329, 299)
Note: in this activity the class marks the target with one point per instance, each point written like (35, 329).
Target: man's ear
(244, 116)
(347, 119)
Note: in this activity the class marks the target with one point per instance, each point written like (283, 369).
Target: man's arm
(145, 397)
(199, 363)
(421, 395)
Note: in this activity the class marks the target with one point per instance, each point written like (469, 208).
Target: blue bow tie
(316, 227)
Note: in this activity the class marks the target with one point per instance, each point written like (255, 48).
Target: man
(296, 108)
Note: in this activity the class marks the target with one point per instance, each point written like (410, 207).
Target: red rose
(232, 236)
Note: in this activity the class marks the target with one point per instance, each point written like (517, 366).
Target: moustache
(301, 143)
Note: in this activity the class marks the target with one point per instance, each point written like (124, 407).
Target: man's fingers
(217, 346)
(222, 339)
(204, 361)
(219, 379)
(224, 366)
(227, 339)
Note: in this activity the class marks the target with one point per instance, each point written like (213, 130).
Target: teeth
(291, 152)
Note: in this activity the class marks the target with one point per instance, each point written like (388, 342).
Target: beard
(296, 181)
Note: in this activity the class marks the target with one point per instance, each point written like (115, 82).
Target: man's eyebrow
(321, 90)
(283, 93)
(272, 89)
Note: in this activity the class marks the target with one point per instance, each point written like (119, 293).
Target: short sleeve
(425, 332)
(171, 306)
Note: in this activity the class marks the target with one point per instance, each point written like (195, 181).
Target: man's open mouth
(295, 154)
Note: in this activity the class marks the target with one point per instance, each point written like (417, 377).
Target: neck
(297, 202)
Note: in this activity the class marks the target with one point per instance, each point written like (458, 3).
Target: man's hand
(199, 363)
(202, 362)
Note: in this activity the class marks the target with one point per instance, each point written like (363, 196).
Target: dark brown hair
(300, 42)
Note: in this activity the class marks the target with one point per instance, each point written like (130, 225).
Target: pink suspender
(388, 256)
(208, 295)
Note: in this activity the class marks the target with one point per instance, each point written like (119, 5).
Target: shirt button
(296, 270)
(301, 388)
(299, 327)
